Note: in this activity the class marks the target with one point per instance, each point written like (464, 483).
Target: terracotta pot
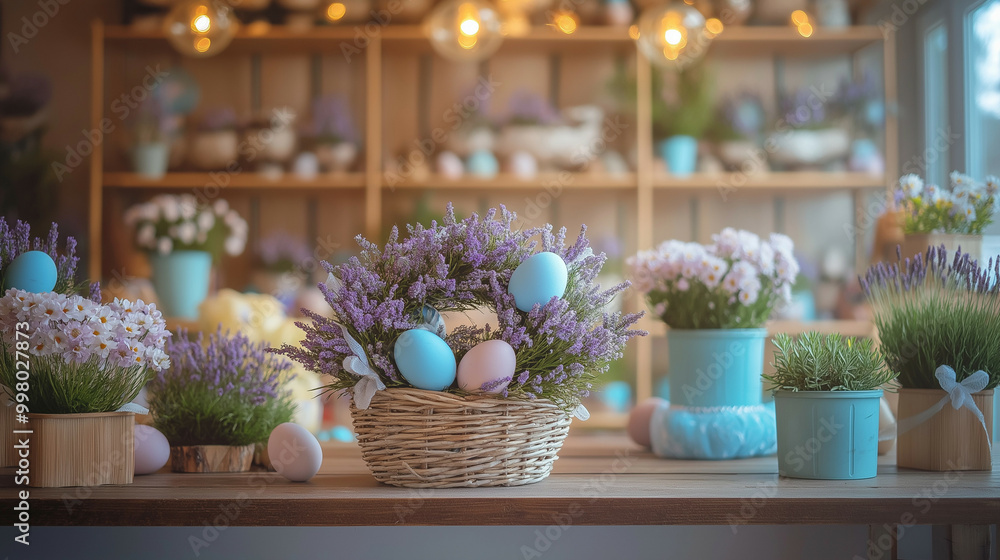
(951, 440)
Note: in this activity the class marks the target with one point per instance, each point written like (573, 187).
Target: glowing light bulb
(200, 27)
(335, 11)
(799, 17)
(565, 22)
(469, 27)
(673, 34)
(633, 32)
(805, 29)
(464, 29)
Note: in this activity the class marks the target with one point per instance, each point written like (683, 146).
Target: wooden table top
(598, 480)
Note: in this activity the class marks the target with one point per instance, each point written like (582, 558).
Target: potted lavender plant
(215, 144)
(86, 362)
(715, 300)
(332, 134)
(938, 327)
(954, 217)
(183, 238)
(220, 397)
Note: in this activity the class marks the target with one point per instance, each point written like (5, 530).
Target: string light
(674, 34)
(464, 29)
(335, 11)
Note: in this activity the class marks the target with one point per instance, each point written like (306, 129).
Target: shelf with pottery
(552, 181)
(772, 180)
(185, 180)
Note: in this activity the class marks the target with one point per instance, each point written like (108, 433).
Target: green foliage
(701, 307)
(927, 327)
(191, 414)
(814, 362)
(57, 387)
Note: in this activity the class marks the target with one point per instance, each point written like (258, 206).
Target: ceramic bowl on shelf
(214, 149)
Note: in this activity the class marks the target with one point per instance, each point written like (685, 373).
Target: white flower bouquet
(966, 206)
(84, 356)
(170, 223)
(736, 282)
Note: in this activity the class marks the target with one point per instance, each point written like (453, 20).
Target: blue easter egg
(425, 360)
(483, 164)
(537, 280)
(33, 271)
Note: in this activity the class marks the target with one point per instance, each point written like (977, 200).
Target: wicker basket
(429, 439)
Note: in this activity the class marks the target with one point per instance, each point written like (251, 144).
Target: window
(983, 89)
(936, 85)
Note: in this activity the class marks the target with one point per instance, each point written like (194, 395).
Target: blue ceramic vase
(181, 280)
(681, 154)
(716, 367)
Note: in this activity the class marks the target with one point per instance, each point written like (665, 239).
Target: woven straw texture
(429, 439)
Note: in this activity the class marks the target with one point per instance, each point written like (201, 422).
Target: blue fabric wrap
(725, 432)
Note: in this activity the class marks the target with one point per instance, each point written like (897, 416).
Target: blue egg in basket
(425, 360)
(540, 278)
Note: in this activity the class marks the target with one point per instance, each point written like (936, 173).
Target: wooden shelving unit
(642, 186)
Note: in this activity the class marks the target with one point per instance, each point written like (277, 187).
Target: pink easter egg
(151, 449)
(489, 363)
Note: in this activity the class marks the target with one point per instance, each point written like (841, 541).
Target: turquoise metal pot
(716, 367)
(827, 435)
(181, 280)
(681, 154)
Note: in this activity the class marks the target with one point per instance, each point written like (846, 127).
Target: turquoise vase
(681, 154)
(181, 281)
(151, 159)
(716, 367)
(827, 435)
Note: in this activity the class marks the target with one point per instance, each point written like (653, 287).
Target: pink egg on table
(488, 367)
(152, 450)
(294, 452)
(638, 420)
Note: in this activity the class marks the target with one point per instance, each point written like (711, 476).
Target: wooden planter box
(7, 456)
(914, 243)
(211, 458)
(81, 449)
(951, 440)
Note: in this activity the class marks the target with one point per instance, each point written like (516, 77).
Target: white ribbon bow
(581, 412)
(960, 395)
(357, 364)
